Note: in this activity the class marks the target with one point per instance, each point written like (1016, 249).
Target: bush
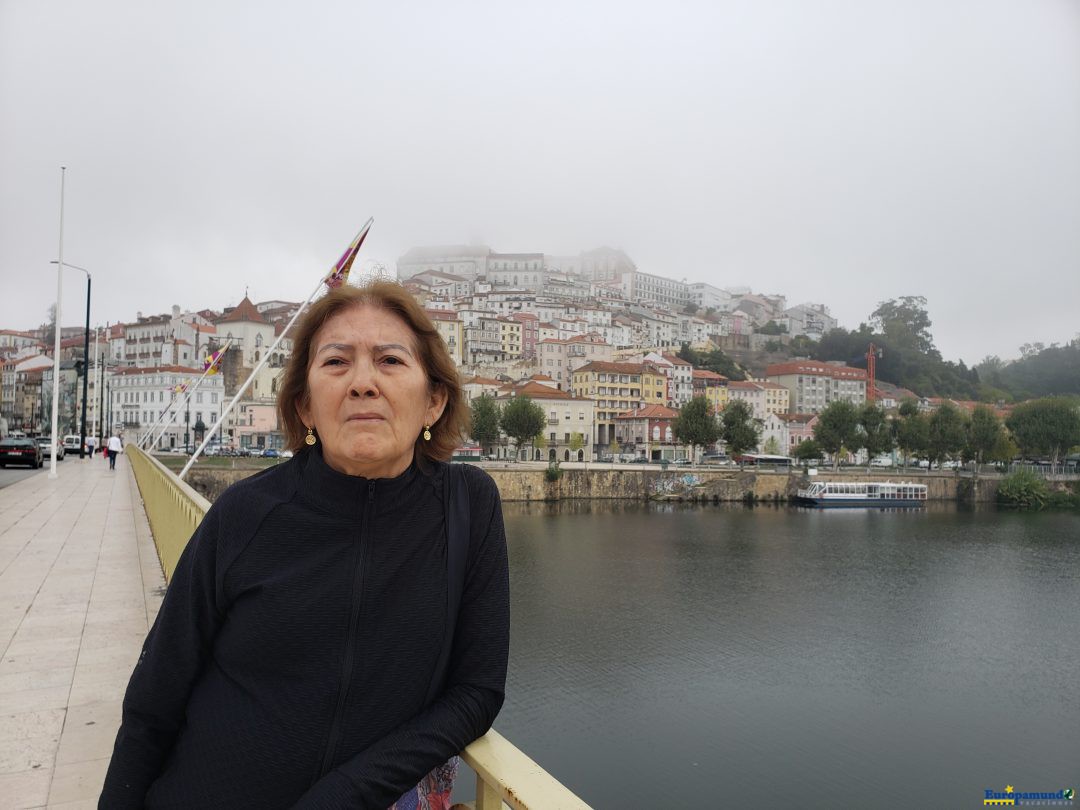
(1024, 489)
(553, 472)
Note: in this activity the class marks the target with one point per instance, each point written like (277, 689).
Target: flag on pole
(210, 363)
(180, 388)
(339, 273)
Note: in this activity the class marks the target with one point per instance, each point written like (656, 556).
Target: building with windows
(568, 425)
(617, 388)
(813, 384)
(646, 288)
(139, 396)
(647, 432)
(712, 386)
(452, 332)
(559, 358)
(510, 337)
(466, 261)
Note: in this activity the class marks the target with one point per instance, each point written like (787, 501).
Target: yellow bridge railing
(504, 774)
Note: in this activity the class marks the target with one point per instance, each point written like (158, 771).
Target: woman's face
(369, 396)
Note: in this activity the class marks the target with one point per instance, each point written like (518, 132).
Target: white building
(139, 396)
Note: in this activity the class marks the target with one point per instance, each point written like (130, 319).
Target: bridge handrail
(503, 772)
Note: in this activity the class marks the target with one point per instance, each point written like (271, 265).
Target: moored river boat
(862, 493)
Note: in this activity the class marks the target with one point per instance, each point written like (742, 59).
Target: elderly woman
(337, 628)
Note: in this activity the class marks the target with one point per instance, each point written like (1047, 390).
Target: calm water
(775, 657)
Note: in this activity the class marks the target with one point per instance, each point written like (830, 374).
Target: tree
(485, 422)
(878, 436)
(912, 432)
(772, 446)
(737, 427)
(904, 322)
(984, 433)
(1046, 427)
(946, 432)
(837, 429)
(771, 328)
(808, 450)
(577, 442)
(714, 360)
(695, 425)
(522, 420)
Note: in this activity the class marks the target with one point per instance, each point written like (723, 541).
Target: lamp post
(86, 350)
(56, 337)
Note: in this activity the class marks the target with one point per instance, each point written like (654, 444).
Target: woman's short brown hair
(446, 433)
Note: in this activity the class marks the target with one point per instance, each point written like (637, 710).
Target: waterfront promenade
(80, 583)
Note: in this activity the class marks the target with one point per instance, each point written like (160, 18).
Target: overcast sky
(835, 151)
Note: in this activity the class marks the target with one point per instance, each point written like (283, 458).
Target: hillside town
(590, 338)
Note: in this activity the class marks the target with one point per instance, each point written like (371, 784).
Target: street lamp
(86, 353)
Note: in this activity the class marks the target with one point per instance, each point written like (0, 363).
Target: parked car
(682, 462)
(71, 442)
(46, 444)
(21, 451)
(270, 452)
(286, 453)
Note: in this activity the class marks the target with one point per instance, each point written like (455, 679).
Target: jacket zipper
(350, 640)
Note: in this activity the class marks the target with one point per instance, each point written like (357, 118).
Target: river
(676, 656)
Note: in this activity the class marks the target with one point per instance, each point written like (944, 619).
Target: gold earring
(427, 433)
(310, 439)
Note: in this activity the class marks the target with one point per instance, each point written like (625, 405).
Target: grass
(176, 462)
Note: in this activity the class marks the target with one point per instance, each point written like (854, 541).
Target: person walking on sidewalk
(115, 446)
(91, 442)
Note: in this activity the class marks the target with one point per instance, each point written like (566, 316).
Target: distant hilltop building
(520, 270)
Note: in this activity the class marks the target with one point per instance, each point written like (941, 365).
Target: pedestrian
(115, 447)
(337, 628)
(90, 443)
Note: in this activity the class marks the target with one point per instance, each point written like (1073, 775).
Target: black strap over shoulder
(456, 512)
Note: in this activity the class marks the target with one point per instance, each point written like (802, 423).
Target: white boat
(863, 493)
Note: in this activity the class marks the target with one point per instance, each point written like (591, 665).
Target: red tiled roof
(650, 412)
(815, 368)
(481, 381)
(535, 390)
(244, 311)
(705, 374)
(619, 368)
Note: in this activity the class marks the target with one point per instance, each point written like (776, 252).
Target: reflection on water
(674, 655)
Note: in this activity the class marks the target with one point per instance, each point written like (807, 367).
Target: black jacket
(292, 656)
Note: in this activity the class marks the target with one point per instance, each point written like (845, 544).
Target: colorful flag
(210, 364)
(179, 389)
(339, 273)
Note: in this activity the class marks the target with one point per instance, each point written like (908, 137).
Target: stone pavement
(80, 584)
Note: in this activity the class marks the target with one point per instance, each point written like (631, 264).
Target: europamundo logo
(1011, 796)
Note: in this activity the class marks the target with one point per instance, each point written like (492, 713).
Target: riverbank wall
(528, 483)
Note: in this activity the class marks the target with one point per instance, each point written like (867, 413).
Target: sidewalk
(79, 584)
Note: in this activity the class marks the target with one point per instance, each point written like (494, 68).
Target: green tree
(737, 427)
(772, 446)
(808, 450)
(1046, 427)
(946, 432)
(771, 328)
(577, 442)
(905, 322)
(912, 433)
(522, 420)
(837, 429)
(878, 436)
(984, 433)
(485, 422)
(696, 425)
(714, 360)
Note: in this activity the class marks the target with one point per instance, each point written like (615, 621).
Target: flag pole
(344, 263)
(170, 411)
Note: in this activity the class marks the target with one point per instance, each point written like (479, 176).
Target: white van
(71, 443)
